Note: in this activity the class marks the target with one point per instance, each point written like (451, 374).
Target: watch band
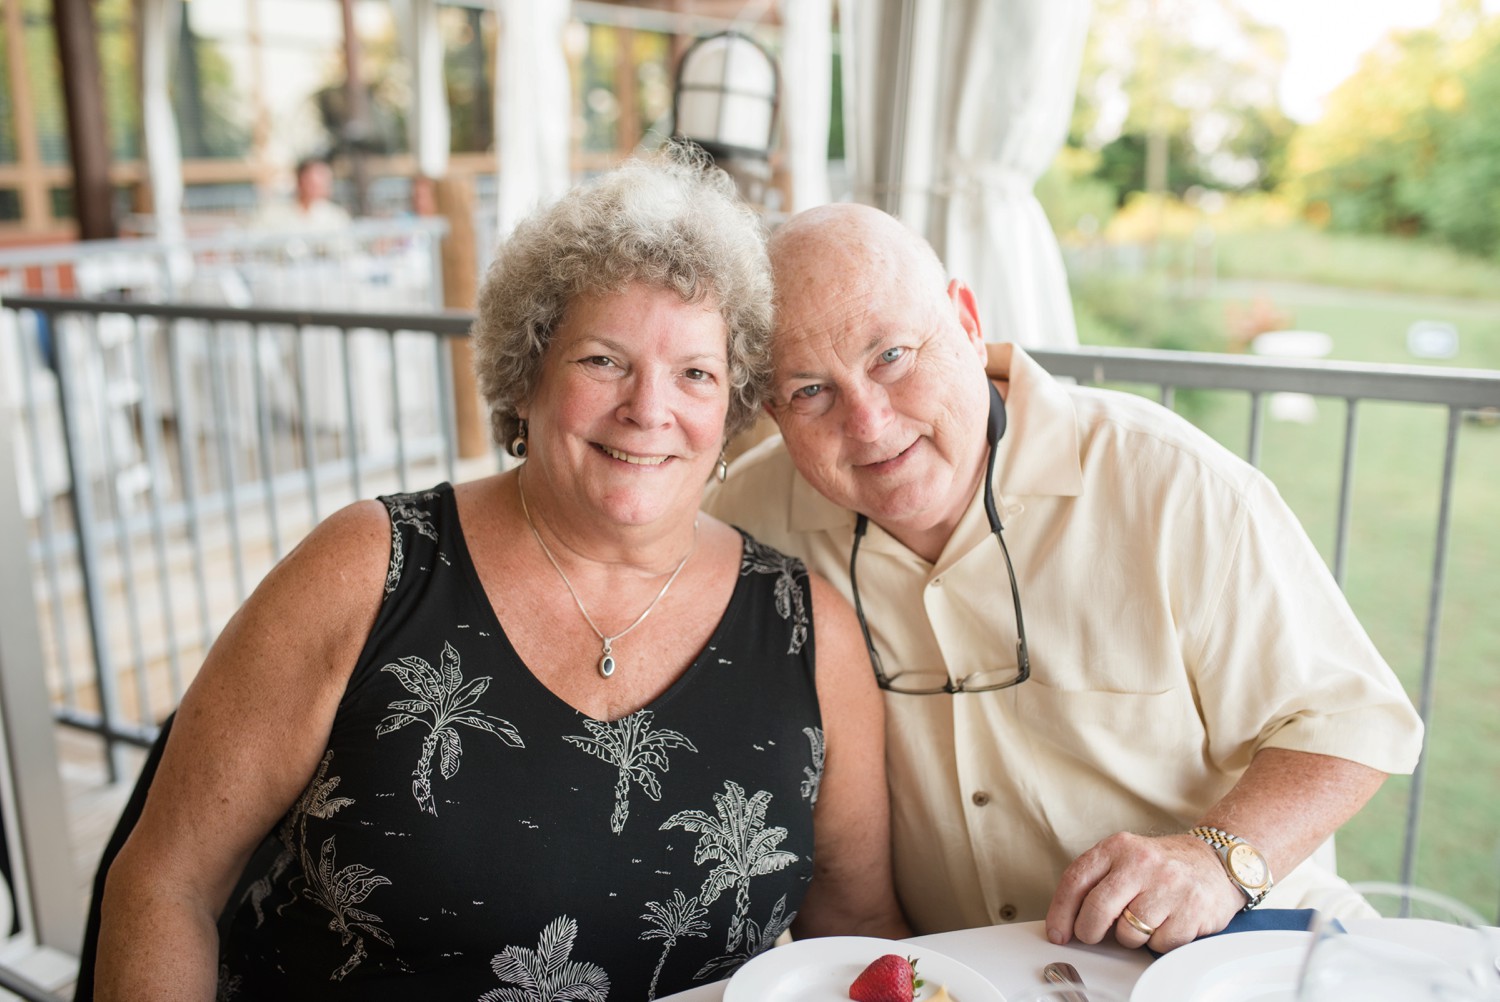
(1221, 842)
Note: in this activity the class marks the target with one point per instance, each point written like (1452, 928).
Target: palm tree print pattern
(741, 843)
(442, 693)
(814, 772)
(546, 974)
(404, 512)
(682, 916)
(317, 801)
(757, 941)
(636, 750)
(337, 890)
(791, 605)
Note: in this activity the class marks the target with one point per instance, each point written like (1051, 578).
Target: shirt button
(980, 798)
(1007, 913)
(937, 582)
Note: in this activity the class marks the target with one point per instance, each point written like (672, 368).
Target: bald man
(1123, 692)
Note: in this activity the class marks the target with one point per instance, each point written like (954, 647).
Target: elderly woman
(549, 734)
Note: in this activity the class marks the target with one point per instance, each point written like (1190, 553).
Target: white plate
(1240, 967)
(821, 970)
(1264, 965)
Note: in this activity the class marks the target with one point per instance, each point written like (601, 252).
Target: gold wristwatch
(1247, 868)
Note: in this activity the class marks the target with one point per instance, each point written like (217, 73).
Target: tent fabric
(953, 110)
(807, 97)
(158, 27)
(533, 107)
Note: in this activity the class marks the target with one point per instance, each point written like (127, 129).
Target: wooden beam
(455, 202)
(628, 122)
(88, 128)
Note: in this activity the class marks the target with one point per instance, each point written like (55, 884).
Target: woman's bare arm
(246, 741)
(852, 892)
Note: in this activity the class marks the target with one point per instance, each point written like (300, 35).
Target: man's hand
(1173, 884)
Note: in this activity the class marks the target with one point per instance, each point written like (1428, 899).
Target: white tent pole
(429, 129)
(533, 107)
(159, 23)
(806, 95)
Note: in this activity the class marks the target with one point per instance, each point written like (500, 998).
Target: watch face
(1248, 865)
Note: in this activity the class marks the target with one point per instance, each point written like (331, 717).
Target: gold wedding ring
(1145, 930)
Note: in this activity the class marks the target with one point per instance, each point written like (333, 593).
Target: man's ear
(967, 308)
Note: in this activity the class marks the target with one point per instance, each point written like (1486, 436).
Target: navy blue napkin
(1296, 919)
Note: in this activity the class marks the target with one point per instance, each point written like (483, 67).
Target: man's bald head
(824, 250)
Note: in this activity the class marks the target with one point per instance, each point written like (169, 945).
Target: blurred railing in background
(185, 450)
(369, 264)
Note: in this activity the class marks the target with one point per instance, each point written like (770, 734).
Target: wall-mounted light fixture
(725, 99)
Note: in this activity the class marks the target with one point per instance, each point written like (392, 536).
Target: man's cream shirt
(1177, 616)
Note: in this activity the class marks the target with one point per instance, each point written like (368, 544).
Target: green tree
(1211, 107)
(468, 57)
(205, 99)
(1457, 191)
(117, 62)
(1411, 143)
(1374, 132)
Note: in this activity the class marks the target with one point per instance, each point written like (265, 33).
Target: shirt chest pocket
(1106, 761)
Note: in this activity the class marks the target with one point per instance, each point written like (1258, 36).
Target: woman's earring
(722, 470)
(518, 444)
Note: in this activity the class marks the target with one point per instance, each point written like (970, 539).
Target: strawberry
(890, 978)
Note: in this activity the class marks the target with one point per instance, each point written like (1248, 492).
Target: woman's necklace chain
(606, 658)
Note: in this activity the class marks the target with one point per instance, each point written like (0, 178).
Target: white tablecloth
(1012, 958)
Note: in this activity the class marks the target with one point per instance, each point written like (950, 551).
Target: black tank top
(468, 835)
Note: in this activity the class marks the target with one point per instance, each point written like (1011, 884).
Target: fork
(1061, 973)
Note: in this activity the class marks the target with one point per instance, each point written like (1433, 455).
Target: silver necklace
(606, 656)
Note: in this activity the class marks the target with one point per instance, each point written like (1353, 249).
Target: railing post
(1429, 650)
(88, 554)
(41, 861)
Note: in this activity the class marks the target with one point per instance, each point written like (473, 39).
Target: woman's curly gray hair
(673, 223)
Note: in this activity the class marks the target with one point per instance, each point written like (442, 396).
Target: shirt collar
(1039, 454)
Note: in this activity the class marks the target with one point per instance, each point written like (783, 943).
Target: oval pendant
(606, 666)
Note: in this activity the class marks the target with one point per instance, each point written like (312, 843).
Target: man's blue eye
(892, 354)
(807, 392)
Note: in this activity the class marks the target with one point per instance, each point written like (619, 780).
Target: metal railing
(392, 264)
(245, 427)
(183, 451)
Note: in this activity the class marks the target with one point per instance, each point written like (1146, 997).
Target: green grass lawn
(1397, 474)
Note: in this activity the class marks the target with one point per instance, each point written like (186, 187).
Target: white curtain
(533, 107)
(428, 126)
(953, 109)
(160, 21)
(806, 96)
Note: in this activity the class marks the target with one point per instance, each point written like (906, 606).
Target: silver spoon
(1061, 973)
